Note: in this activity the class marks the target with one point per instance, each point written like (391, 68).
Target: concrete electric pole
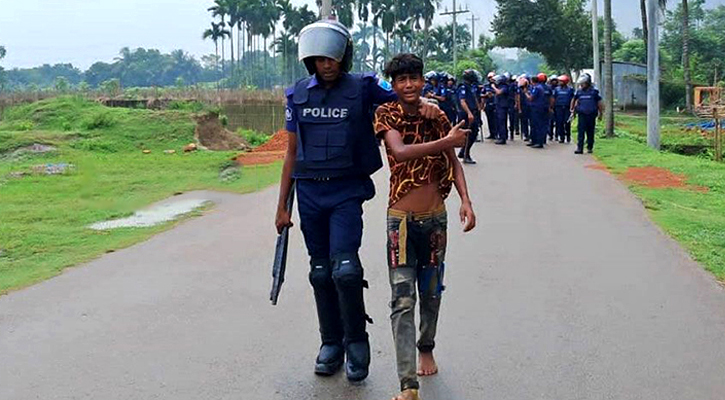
(454, 13)
(474, 18)
(653, 75)
(326, 9)
(595, 46)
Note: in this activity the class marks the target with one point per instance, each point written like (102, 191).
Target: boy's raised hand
(428, 109)
(468, 217)
(458, 135)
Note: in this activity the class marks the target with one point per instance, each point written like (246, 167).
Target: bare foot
(427, 364)
(409, 394)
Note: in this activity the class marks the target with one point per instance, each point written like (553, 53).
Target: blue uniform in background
(525, 116)
(513, 111)
(562, 104)
(539, 114)
(429, 88)
(449, 106)
(336, 154)
(468, 93)
(587, 110)
(502, 111)
(490, 110)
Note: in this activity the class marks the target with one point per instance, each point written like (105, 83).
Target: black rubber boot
(331, 355)
(330, 359)
(347, 274)
(358, 361)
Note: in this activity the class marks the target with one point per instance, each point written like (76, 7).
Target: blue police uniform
(449, 105)
(336, 154)
(587, 110)
(429, 88)
(513, 111)
(468, 92)
(562, 104)
(502, 111)
(539, 114)
(525, 116)
(490, 110)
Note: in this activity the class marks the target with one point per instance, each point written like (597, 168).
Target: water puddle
(154, 215)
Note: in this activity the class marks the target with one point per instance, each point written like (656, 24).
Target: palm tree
(686, 54)
(219, 10)
(643, 11)
(215, 33)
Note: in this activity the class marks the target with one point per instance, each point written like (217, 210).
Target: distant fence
(265, 118)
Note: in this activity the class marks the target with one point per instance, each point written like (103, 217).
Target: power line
(454, 13)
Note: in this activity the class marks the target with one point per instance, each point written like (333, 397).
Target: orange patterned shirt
(414, 129)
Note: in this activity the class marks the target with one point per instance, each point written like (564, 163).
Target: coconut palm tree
(215, 33)
(608, 83)
(219, 10)
(686, 54)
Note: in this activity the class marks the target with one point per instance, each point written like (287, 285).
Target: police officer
(553, 84)
(536, 95)
(524, 109)
(513, 106)
(588, 105)
(563, 96)
(331, 154)
(489, 105)
(502, 91)
(450, 104)
(430, 89)
(468, 96)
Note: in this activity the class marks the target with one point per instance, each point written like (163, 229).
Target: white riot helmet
(325, 38)
(585, 79)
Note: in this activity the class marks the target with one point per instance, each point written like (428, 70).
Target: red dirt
(655, 177)
(598, 167)
(273, 150)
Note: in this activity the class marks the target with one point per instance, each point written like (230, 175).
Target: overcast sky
(81, 32)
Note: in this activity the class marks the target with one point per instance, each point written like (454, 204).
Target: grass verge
(44, 218)
(695, 219)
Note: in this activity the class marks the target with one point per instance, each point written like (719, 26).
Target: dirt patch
(211, 134)
(597, 167)
(273, 150)
(659, 178)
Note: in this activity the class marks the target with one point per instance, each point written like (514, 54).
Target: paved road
(565, 291)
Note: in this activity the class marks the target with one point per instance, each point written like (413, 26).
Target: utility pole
(454, 13)
(326, 9)
(653, 75)
(595, 45)
(474, 18)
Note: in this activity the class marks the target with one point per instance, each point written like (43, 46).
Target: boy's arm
(405, 152)
(468, 217)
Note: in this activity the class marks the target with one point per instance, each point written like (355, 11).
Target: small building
(630, 85)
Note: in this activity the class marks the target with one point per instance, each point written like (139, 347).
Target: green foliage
(631, 51)
(254, 138)
(111, 87)
(61, 84)
(98, 121)
(192, 106)
(696, 219)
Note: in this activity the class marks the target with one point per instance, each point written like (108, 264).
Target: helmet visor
(322, 40)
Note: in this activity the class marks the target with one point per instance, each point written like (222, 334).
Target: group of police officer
(536, 107)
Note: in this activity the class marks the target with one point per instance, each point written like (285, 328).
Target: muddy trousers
(331, 222)
(416, 253)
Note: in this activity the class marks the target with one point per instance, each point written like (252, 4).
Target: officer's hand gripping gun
(280, 254)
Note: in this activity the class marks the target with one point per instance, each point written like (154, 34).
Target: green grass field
(695, 219)
(44, 219)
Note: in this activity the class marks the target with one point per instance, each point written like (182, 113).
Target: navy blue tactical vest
(502, 100)
(563, 96)
(470, 94)
(334, 130)
(588, 101)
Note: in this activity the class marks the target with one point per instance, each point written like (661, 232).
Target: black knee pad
(347, 270)
(321, 273)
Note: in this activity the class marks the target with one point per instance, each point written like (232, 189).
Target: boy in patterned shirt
(423, 169)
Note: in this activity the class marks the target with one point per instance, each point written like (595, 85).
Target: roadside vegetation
(107, 163)
(694, 215)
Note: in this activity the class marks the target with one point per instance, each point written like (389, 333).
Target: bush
(254, 138)
(672, 94)
(98, 121)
